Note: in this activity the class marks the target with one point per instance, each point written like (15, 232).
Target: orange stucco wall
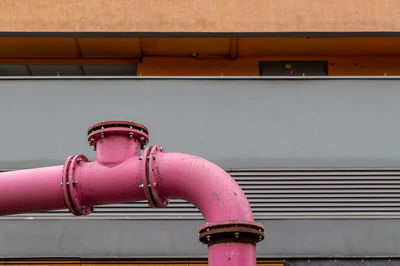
(199, 15)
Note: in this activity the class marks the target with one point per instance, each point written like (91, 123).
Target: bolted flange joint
(149, 160)
(131, 129)
(245, 232)
(70, 186)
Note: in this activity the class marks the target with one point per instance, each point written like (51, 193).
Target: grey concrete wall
(235, 123)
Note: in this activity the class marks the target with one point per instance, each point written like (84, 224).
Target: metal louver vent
(286, 194)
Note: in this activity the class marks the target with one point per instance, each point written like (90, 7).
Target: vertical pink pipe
(32, 190)
(233, 254)
(114, 149)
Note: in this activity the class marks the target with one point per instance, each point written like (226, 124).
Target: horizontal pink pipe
(36, 190)
(187, 177)
(101, 184)
(32, 190)
(213, 191)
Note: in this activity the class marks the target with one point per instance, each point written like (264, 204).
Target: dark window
(68, 70)
(294, 68)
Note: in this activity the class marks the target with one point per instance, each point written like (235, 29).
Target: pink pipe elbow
(207, 186)
(120, 174)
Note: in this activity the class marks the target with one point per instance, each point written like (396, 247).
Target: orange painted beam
(215, 16)
(124, 48)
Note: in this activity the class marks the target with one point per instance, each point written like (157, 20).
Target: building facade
(297, 100)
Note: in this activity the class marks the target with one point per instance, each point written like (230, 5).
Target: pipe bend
(212, 190)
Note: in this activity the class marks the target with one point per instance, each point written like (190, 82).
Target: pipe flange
(70, 186)
(153, 177)
(133, 130)
(65, 186)
(245, 232)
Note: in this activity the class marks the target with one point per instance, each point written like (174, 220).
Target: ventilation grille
(285, 194)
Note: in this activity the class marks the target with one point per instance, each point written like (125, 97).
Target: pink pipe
(232, 254)
(206, 185)
(32, 190)
(120, 174)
